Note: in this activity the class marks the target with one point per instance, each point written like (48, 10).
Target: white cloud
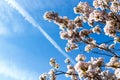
(9, 69)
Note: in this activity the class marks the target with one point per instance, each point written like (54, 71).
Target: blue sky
(24, 50)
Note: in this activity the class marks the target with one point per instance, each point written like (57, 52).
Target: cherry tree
(103, 18)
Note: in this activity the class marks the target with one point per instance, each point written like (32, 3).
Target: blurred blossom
(117, 73)
(103, 46)
(52, 75)
(67, 60)
(80, 57)
(96, 29)
(112, 46)
(89, 47)
(116, 39)
(43, 76)
(52, 62)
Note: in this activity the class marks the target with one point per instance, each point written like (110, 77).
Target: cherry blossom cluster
(74, 32)
(69, 29)
(110, 18)
(91, 70)
(103, 4)
(103, 18)
(51, 75)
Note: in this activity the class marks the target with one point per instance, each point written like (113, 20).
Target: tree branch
(108, 50)
(62, 72)
(97, 52)
(112, 12)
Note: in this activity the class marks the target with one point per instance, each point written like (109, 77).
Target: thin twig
(97, 52)
(62, 72)
(108, 50)
(106, 42)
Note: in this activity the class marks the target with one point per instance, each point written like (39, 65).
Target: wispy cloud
(4, 30)
(28, 17)
(9, 69)
(8, 23)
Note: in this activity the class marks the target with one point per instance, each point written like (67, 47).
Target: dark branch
(108, 50)
(112, 12)
(97, 52)
(62, 72)
(106, 42)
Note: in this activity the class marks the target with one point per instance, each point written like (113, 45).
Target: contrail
(28, 17)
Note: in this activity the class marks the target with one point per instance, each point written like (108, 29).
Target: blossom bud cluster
(71, 72)
(97, 16)
(103, 46)
(111, 46)
(116, 39)
(67, 60)
(89, 69)
(114, 63)
(52, 75)
(102, 4)
(83, 8)
(96, 29)
(91, 44)
(53, 63)
(109, 28)
(80, 57)
(115, 6)
(43, 76)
